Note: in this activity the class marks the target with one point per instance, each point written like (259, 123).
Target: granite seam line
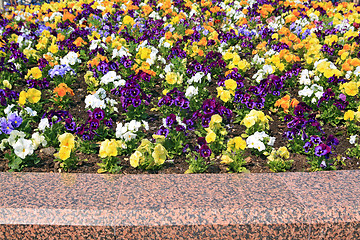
(116, 206)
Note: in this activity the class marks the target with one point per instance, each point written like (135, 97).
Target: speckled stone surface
(321, 205)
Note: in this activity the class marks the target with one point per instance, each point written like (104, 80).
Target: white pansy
(70, 59)
(168, 67)
(306, 92)
(129, 136)
(44, 123)
(14, 135)
(109, 77)
(191, 91)
(7, 110)
(197, 78)
(357, 71)
(353, 139)
(208, 76)
(38, 139)
(146, 125)
(31, 112)
(23, 148)
(271, 141)
(2, 144)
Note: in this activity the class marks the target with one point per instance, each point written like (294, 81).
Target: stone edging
(208, 206)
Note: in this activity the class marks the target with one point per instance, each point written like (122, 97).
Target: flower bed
(182, 86)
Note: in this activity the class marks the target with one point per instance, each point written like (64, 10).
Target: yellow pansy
(226, 159)
(22, 98)
(211, 136)
(128, 20)
(35, 72)
(239, 143)
(159, 154)
(230, 84)
(64, 153)
(67, 140)
(33, 95)
(349, 115)
(215, 119)
(171, 78)
(53, 48)
(350, 88)
(135, 159)
(249, 121)
(283, 152)
(108, 148)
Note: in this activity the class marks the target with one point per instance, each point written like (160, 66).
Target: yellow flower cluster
(256, 117)
(351, 115)
(90, 80)
(313, 47)
(324, 68)
(225, 94)
(144, 53)
(214, 126)
(234, 145)
(280, 154)
(173, 78)
(109, 148)
(149, 155)
(35, 72)
(67, 144)
(350, 88)
(32, 95)
(236, 61)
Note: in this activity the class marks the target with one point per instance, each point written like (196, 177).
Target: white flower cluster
(97, 43)
(197, 78)
(305, 77)
(121, 52)
(23, 147)
(128, 130)
(191, 91)
(99, 100)
(256, 141)
(355, 74)
(353, 139)
(44, 123)
(257, 60)
(70, 59)
(111, 77)
(24, 111)
(315, 90)
(262, 73)
(277, 23)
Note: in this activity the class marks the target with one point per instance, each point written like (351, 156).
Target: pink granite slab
(201, 206)
(58, 199)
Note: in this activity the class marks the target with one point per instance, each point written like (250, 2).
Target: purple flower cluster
(174, 97)
(56, 116)
(60, 70)
(303, 119)
(329, 95)
(255, 96)
(131, 95)
(322, 146)
(8, 125)
(88, 129)
(210, 107)
(7, 94)
(39, 84)
(202, 148)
